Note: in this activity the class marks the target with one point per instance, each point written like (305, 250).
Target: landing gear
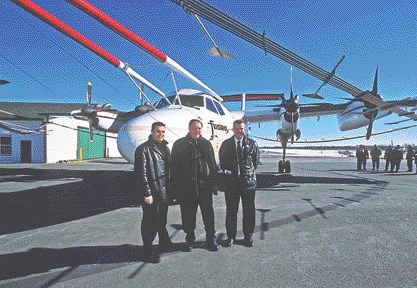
(284, 166)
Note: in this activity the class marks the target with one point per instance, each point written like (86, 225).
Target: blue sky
(369, 33)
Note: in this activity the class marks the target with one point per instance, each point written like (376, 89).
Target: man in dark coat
(397, 155)
(360, 156)
(388, 158)
(194, 180)
(409, 156)
(152, 169)
(239, 157)
(375, 154)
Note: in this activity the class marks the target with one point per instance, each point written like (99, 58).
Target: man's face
(195, 130)
(158, 134)
(239, 130)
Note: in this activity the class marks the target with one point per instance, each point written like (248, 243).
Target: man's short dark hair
(157, 124)
(238, 122)
(192, 121)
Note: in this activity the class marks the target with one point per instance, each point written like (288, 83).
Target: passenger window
(219, 107)
(210, 106)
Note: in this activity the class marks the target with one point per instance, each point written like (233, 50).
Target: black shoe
(152, 256)
(211, 244)
(228, 242)
(247, 241)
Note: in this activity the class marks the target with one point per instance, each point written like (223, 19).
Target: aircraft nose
(131, 135)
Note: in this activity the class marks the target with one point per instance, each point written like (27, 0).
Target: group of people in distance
(392, 156)
(189, 175)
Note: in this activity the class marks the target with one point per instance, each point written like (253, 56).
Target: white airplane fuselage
(355, 118)
(216, 127)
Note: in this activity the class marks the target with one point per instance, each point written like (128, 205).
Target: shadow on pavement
(97, 192)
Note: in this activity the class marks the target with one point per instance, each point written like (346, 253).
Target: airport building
(62, 138)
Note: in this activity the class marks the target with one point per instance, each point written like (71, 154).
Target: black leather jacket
(228, 162)
(186, 180)
(152, 170)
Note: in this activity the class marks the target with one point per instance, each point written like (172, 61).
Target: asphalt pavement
(324, 225)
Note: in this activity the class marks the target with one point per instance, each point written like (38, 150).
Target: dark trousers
(232, 198)
(358, 164)
(395, 165)
(189, 207)
(364, 164)
(375, 164)
(154, 221)
(410, 165)
(387, 163)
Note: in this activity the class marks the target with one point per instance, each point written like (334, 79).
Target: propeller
(90, 112)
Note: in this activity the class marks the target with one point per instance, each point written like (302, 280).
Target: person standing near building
(388, 158)
(239, 157)
(194, 180)
(375, 154)
(152, 170)
(409, 156)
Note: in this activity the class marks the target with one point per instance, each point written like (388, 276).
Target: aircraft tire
(287, 167)
(280, 167)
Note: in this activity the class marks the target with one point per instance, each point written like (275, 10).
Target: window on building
(5, 145)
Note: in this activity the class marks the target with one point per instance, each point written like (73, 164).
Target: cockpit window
(186, 100)
(210, 106)
(219, 107)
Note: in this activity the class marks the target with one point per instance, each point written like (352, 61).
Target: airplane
(180, 107)
(367, 106)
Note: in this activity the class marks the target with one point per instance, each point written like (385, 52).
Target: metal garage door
(87, 149)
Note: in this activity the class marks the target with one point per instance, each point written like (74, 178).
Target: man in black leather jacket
(194, 182)
(152, 170)
(239, 157)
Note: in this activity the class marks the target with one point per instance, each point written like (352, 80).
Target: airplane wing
(321, 109)
(259, 40)
(308, 110)
(342, 138)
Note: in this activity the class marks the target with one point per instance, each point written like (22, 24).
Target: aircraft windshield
(186, 100)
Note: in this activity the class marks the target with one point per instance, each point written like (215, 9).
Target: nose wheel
(284, 166)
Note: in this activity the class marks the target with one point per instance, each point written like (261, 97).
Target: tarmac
(324, 225)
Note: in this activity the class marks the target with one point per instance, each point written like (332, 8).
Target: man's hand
(148, 200)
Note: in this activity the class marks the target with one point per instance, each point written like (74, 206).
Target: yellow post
(81, 154)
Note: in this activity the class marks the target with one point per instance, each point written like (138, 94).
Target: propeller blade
(89, 87)
(397, 122)
(90, 128)
(369, 130)
(313, 96)
(216, 52)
